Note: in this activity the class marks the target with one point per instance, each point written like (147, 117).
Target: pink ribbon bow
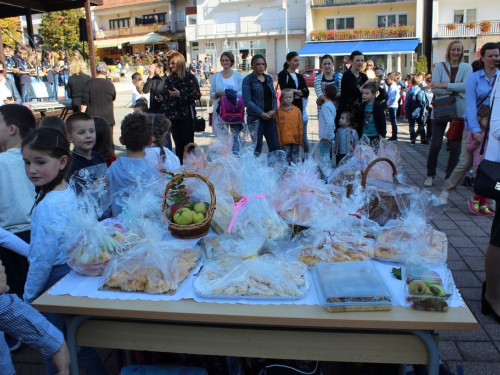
(238, 206)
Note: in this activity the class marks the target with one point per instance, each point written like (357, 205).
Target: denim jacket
(253, 96)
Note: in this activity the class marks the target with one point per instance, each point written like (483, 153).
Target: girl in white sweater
(326, 119)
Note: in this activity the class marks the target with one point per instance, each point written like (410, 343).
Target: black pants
(183, 134)
(16, 266)
(438, 129)
(339, 158)
(420, 129)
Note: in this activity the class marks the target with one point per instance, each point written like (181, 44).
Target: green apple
(417, 287)
(200, 208)
(198, 217)
(184, 216)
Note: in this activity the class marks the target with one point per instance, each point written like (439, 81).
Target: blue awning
(368, 47)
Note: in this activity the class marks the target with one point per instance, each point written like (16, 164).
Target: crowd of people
(36, 164)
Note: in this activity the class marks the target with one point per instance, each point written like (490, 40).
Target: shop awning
(112, 42)
(368, 47)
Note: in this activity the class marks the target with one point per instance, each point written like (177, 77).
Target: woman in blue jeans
(260, 101)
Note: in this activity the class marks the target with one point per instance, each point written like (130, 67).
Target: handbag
(198, 122)
(445, 109)
(456, 129)
(487, 181)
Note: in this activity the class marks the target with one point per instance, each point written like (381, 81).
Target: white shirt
(294, 77)
(4, 91)
(229, 83)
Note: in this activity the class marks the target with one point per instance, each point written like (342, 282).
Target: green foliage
(178, 193)
(421, 65)
(10, 26)
(60, 30)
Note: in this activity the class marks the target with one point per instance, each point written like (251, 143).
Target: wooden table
(272, 331)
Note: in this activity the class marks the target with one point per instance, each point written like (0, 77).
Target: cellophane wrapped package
(194, 161)
(397, 240)
(247, 271)
(303, 197)
(254, 214)
(150, 265)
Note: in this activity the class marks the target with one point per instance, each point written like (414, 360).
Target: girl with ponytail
(161, 126)
(47, 159)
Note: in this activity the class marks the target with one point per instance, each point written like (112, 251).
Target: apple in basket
(184, 216)
(200, 207)
(198, 218)
(172, 210)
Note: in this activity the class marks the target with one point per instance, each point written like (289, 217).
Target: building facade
(389, 33)
(246, 28)
(474, 24)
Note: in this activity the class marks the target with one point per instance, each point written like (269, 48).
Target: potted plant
(471, 25)
(485, 26)
(314, 35)
(451, 26)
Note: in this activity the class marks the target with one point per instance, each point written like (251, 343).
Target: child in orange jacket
(289, 124)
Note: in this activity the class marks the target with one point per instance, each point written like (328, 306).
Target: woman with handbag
(448, 80)
(180, 92)
(288, 78)
(478, 92)
(490, 296)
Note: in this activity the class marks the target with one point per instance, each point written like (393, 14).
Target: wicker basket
(193, 230)
(186, 151)
(385, 200)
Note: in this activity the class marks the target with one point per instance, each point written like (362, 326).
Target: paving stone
(492, 330)
(481, 275)
(474, 368)
(469, 252)
(475, 308)
(445, 224)
(474, 231)
(456, 336)
(449, 351)
(482, 221)
(453, 255)
(457, 265)
(457, 215)
(475, 263)
(454, 233)
(460, 241)
(470, 294)
(465, 279)
(481, 240)
(478, 351)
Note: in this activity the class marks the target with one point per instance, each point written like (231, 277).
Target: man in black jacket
(154, 84)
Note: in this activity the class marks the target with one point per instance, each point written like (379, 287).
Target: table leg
(71, 341)
(432, 348)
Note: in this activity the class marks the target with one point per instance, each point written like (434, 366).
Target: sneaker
(412, 143)
(428, 181)
(484, 210)
(13, 343)
(424, 142)
(474, 206)
(392, 139)
(466, 181)
(444, 196)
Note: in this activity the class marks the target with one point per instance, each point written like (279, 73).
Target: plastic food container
(351, 286)
(428, 288)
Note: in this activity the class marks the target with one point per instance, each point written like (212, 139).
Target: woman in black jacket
(77, 80)
(289, 79)
(154, 85)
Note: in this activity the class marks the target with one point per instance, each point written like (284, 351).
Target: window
(340, 23)
(191, 20)
(464, 15)
(386, 20)
(151, 19)
(119, 23)
(458, 16)
(181, 16)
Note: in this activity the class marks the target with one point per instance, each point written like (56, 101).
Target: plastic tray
(351, 286)
(220, 224)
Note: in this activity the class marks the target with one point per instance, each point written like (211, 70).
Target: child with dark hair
(326, 119)
(374, 123)
(80, 129)
(161, 126)
(126, 171)
(104, 140)
(141, 107)
(47, 160)
(53, 122)
(347, 136)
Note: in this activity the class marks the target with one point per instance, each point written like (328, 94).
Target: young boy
(415, 110)
(392, 103)
(80, 130)
(126, 171)
(290, 127)
(326, 121)
(374, 124)
(17, 192)
(140, 107)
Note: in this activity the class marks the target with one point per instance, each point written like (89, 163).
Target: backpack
(232, 114)
(416, 105)
(337, 77)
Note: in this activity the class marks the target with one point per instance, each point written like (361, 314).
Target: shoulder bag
(445, 109)
(487, 181)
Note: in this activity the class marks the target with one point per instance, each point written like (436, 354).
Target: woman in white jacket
(221, 81)
(491, 294)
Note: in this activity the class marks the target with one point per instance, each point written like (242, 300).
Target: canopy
(112, 42)
(368, 47)
(151, 38)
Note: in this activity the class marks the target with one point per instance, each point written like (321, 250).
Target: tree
(421, 65)
(61, 29)
(10, 28)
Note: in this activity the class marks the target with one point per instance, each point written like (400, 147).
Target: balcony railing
(128, 31)
(467, 29)
(222, 30)
(331, 3)
(364, 33)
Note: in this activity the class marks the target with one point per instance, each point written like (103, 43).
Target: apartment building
(473, 24)
(245, 27)
(130, 26)
(389, 33)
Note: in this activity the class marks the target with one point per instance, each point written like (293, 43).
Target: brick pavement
(478, 352)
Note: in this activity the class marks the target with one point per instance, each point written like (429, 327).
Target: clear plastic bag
(150, 265)
(92, 184)
(246, 272)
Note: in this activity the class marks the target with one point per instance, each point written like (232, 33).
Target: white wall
(294, 44)
(485, 9)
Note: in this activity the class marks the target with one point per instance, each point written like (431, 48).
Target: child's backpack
(232, 114)
(416, 104)
(337, 78)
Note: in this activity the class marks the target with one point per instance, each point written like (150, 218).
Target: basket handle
(186, 150)
(367, 170)
(211, 189)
